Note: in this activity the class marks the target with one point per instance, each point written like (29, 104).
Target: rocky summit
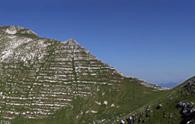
(39, 76)
(45, 81)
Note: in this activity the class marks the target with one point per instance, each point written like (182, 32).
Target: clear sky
(153, 40)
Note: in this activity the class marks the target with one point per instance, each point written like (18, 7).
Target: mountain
(175, 108)
(45, 81)
(169, 84)
(42, 75)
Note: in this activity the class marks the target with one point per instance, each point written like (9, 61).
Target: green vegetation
(130, 97)
(50, 82)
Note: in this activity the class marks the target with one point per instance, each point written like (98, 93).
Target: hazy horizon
(150, 40)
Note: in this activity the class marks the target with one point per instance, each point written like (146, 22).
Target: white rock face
(112, 105)
(98, 103)
(105, 102)
(13, 44)
(93, 111)
(28, 52)
(11, 30)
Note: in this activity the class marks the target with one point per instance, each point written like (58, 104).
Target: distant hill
(169, 84)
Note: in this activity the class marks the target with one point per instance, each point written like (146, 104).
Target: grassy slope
(168, 114)
(131, 97)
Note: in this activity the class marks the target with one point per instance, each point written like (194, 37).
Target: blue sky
(153, 40)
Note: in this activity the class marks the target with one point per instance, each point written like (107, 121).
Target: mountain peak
(12, 30)
(72, 42)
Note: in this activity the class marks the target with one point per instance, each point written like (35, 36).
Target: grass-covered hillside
(104, 107)
(44, 81)
(145, 105)
(176, 107)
